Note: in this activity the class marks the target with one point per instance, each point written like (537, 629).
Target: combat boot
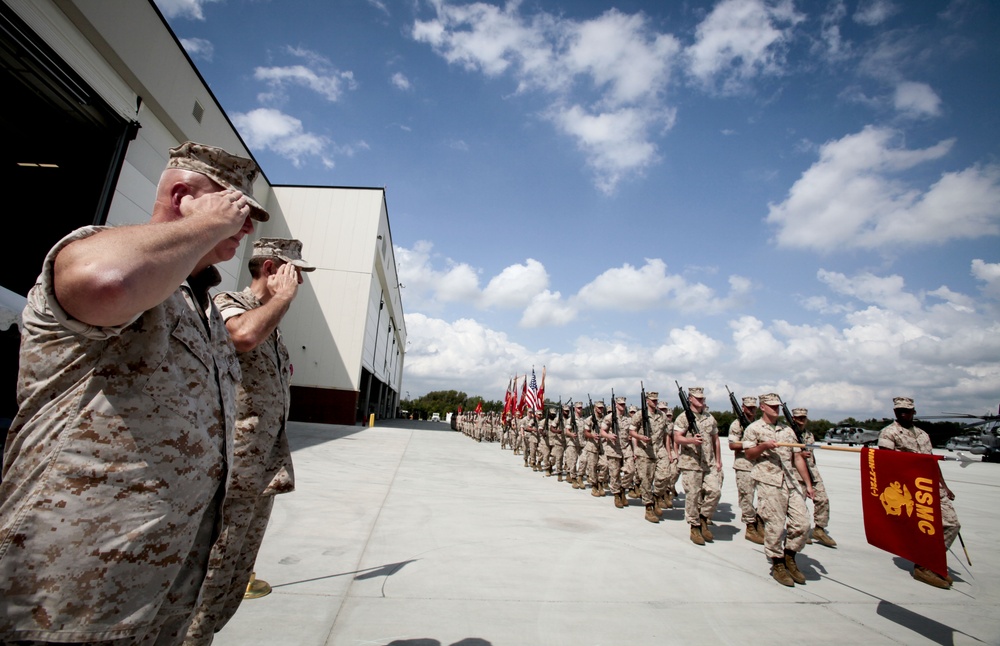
(597, 491)
(657, 506)
(559, 479)
(924, 575)
(753, 535)
(634, 493)
(696, 536)
(548, 472)
(574, 482)
(706, 533)
(793, 569)
(780, 574)
(651, 514)
(620, 500)
(819, 535)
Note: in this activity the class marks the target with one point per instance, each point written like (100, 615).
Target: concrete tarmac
(411, 534)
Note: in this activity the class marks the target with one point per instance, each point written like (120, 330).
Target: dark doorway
(63, 150)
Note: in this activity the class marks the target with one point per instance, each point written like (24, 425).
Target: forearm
(112, 276)
(253, 327)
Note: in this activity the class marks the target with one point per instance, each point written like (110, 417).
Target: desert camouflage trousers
(784, 511)
(745, 490)
(614, 473)
(556, 458)
(665, 476)
(646, 473)
(571, 459)
(229, 566)
(702, 492)
(530, 449)
(590, 460)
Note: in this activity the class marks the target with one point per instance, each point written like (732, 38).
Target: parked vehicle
(436, 417)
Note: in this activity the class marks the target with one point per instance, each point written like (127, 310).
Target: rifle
(572, 422)
(595, 426)
(614, 416)
(559, 420)
(798, 433)
(647, 429)
(686, 405)
(740, 415)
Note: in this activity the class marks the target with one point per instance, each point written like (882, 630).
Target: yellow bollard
(371, 420)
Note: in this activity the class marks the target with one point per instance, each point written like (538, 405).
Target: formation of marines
(642, 452)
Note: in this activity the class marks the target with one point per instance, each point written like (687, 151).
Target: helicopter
(982, 439)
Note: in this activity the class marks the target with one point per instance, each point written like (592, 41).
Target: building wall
(335, 329)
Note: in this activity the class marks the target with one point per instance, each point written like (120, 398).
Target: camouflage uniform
(697, 464)
(262, 467)
(821, 500)
(647, 456)
(779, 501)
(573, 447)
(591, 449)
(114, 467)
(915, 440)
(613, 450)
(664, 480)
(530, 426)
(557, 442)
(744, 481)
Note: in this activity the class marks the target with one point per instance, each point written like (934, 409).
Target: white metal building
(96, 92)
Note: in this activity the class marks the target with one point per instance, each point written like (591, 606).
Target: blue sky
(801, 197)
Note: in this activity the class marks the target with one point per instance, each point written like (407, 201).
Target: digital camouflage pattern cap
(620, 400)
(800, 412)
(771, 399)
(653, 395)
(223, 168)
(902, 402)
(696, 391)
(663, 406)
(750, 402)
(286, 249)
(633, 409)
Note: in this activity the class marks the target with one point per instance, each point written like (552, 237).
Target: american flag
(531, 397)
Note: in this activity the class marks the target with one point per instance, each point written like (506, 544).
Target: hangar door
(62, 152)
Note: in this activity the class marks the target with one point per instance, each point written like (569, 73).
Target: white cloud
(319, 76)
(831, 45)
(274, 130)
(198, 48)
(400, 82)
(852, 197)
(547, 309)
(191, 9)
(427, 287)
(989, 273)
(739, 40)
(516, 286)
(449, 355)
(946, 354)
(378, 4)
(917, 100)
(617, 56)
(650, 287)
(616, 144)
(875, 12)
(868, 288)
